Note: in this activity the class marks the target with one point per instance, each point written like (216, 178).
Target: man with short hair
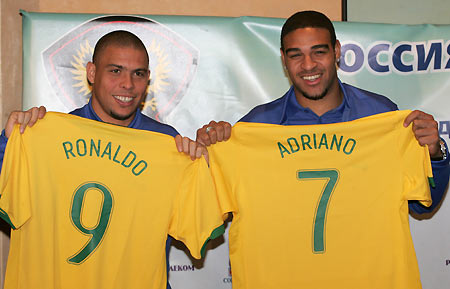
(310, 53)
(324, 206)
(119, 75)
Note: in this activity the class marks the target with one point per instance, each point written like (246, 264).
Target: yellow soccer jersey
(322, 206)
(91, 205)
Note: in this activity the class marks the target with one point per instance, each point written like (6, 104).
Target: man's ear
(282, 57)
(337, 50)
(90, 72)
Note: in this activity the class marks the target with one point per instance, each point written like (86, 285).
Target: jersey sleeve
(224, 163)
(15, 202)
(417, 171)
(197, 216)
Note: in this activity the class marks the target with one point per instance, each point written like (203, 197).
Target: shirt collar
(294, 112)
(134, 123)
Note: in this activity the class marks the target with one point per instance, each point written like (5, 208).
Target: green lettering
(323, 141)
(95, 148)
(107, 151)
(84, 147)
(290, 140)
(353, 144)
(334, 141)
(67, 149)
(130, 153)
(306, 139)
(282, 149)
(115, 155)
(134, 170)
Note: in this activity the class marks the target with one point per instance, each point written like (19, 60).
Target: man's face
(119, 82)
(311, 61)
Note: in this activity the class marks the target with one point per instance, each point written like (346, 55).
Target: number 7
(320, 217)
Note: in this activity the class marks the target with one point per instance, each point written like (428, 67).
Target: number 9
(97, 233)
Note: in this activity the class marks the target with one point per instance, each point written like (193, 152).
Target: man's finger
(212, 133)
(192, 149)
(12, 120)
(33, 117)
(185, 145)
(416, 114)
(179, 143)
(202, 136)
(227, 130)
(42, 112)
(199, 151)
(23, 119)
(425, 123)
(219, 132)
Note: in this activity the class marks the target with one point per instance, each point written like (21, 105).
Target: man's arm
(426, 131)
(24, 118)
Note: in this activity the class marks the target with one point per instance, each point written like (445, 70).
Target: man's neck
(330, 101)
(105, 117)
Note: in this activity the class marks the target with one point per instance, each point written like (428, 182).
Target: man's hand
(190, 147)
(425, 129)
(24, 118)
(213, 132)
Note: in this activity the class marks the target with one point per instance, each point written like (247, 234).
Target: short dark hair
(119, 38)
(304, 19)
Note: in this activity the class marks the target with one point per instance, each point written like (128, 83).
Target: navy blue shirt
(357, 103)
(140, 121)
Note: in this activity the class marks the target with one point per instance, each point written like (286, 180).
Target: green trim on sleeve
(216, 233)
(6, 218)
(431, 182)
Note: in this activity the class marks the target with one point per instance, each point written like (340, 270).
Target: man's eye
(140, 74)
(115, 70)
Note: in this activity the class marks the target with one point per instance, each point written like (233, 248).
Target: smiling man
(310, 53)
(307, 197)
(119, 75)
(310, 59)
